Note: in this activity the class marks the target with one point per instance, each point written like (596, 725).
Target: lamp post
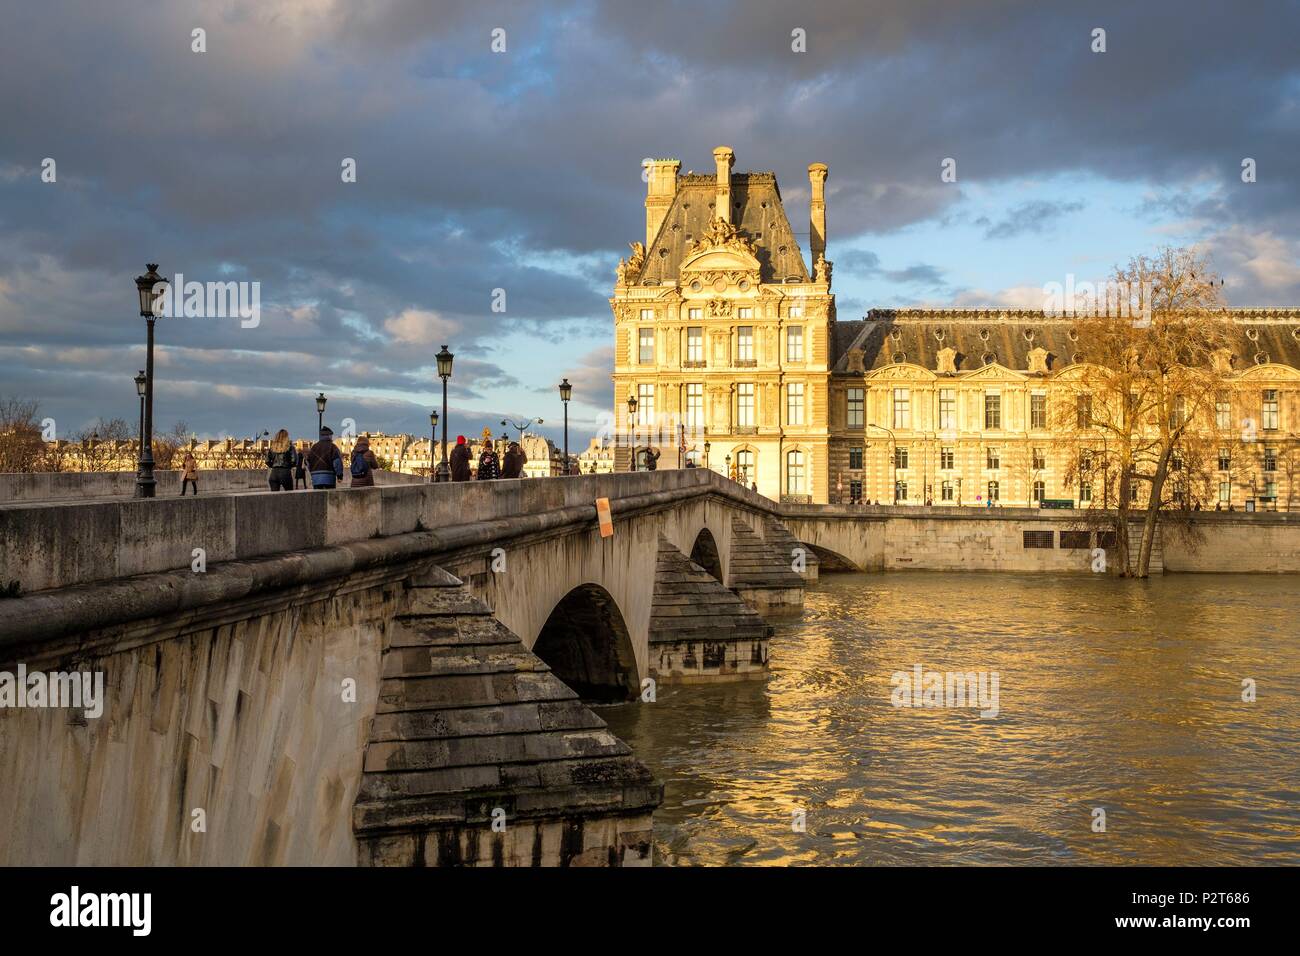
(707, 446)
(320, 412)
(566, 393)
(140, 382)
(444, 372)
(727, 460)
(520, 427)
(151, 290)
(893, 457)
(433, 439)
(631, 424)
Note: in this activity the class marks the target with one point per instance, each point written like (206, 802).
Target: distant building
(598, 459)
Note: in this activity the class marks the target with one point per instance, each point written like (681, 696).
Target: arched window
(745, 466)
(794, 476)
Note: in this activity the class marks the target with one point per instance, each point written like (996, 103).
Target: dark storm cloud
(520, 171)
(1035, 216)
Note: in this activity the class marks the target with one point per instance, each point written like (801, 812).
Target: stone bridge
(391, 675)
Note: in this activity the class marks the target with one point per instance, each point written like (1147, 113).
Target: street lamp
(707, 446)
(320, 412)
(893, 456)
(727, 460)
(631, 424)
(444, 372)
(566, 393)
(151, 290)
(140, 382)
(433, 439)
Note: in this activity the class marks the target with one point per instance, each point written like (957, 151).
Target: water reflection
(1120, 695)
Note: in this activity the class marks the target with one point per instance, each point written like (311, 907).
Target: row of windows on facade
(902, 407)
(902, 418)
(745, 404)
(744, 343)
(993, 490)
(1038, 459)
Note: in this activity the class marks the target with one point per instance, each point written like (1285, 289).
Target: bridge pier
(762, 572)
(480, 756)
(699, 630)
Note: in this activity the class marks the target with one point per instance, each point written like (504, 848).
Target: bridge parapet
(52, 545)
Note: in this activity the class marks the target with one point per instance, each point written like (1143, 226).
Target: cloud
(521, 171)
(420, 327)
(1033, 217)
(865, 264)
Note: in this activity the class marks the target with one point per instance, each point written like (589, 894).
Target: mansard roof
(756, 211)
(1006, 336)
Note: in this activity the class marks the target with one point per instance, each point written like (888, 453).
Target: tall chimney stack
(661, 187)
(817, 210)
(724, 158)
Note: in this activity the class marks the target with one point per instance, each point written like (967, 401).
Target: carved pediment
(904, 370)
(1271, 370)
(1038, 360)
(1222, 360)
(854, 361)
(720, 234)
(722, 249)
(994, 371)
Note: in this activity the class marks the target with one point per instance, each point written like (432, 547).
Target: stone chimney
(661, 187)
(817, 211)
(724, 158)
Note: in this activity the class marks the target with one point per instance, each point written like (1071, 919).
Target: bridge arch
(705, 553)
(586, 643)
(829, 560)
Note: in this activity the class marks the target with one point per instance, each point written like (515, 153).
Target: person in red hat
(460, 460)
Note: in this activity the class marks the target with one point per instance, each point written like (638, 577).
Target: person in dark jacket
(651, 459)
(300, 469)
(281, 459)
(363, 460)
(513, 466)
(460, 458)
(488, 465)
(324, 461)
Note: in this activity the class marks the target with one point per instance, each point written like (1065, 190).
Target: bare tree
(101, 446)
(167, 446)
(22, 446)
(1140, 403)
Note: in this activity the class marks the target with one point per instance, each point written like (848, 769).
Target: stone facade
(730, 343)
(969, 398)
(722, 331)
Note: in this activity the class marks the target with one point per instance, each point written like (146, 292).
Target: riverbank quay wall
(905, 538)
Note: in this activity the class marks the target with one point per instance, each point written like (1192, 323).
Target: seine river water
(1119, 695)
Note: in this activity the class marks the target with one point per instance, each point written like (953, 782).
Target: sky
(520, 170)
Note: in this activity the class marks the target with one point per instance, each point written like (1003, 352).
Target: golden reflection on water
(1115, 694)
